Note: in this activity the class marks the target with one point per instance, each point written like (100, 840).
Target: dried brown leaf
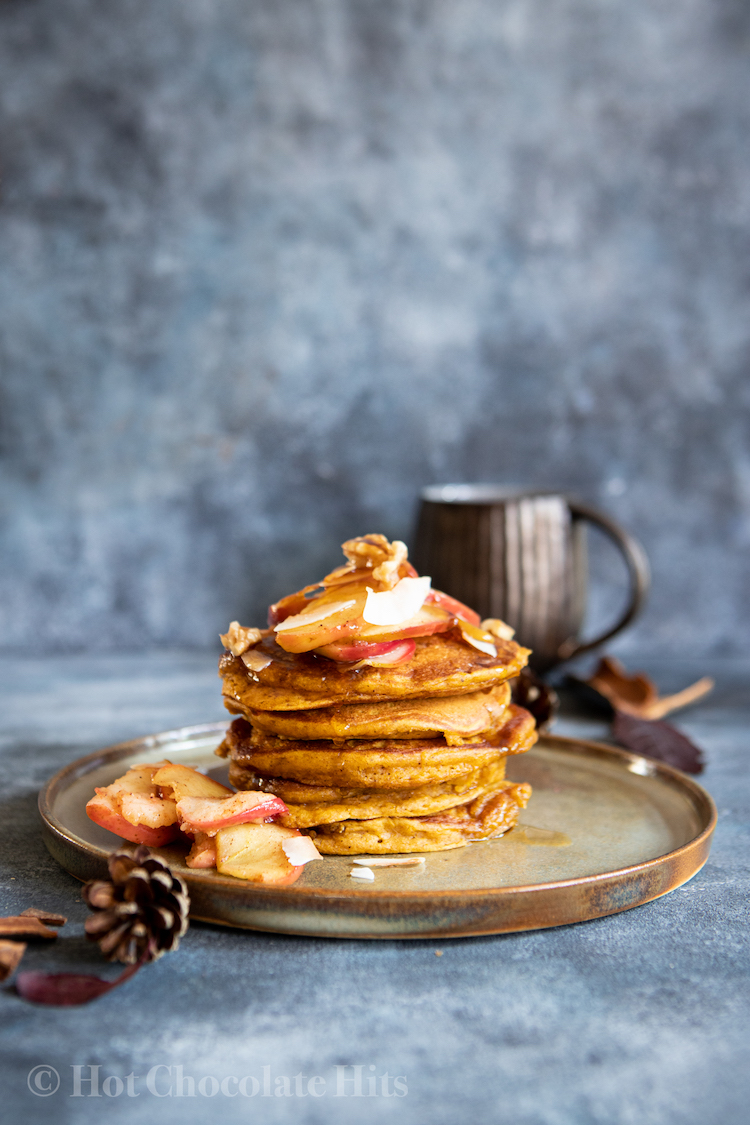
(637, 694)
(11, 953)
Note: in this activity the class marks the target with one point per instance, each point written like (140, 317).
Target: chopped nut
(374, 551)
(47, 916)
(498, 628)
(18, 926)
(240, 638)
(11, 953)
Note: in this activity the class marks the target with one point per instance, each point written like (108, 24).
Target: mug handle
(638, 573)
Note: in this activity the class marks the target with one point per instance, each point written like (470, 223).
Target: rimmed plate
(605, 831)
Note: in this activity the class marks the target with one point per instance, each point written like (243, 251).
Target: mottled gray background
(268, 267)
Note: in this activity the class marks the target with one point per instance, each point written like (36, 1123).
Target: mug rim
(481, 493)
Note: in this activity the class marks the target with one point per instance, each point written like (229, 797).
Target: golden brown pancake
(473, 714)
(441, 665)
(487, 816)
(318, 804)
(369, 764)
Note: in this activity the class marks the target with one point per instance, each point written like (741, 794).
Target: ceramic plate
(605, 831)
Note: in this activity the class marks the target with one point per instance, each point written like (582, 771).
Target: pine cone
(141, 911)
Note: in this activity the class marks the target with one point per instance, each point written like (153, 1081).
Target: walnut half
(239, 638)
(375, 551)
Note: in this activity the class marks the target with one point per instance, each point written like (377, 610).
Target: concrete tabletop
(637, 1018)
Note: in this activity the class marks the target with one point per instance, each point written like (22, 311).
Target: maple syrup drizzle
(541, 837)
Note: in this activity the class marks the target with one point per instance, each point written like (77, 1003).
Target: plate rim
(649, 767)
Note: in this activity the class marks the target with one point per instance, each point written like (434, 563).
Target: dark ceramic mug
(521, 556)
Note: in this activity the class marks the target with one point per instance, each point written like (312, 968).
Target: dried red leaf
(655, 739)
(68, 989)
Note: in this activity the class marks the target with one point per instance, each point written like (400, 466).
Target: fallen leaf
(655, 739)
(637, 694)
(11, 953)
(68, 989)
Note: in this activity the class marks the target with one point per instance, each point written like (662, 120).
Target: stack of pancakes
(401, 758)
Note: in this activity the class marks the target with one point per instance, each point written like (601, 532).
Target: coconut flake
(386, 861)
(363, 873)
(300, 850)
(255, 661)
(392, 607)
(300, 620)
(483, 646)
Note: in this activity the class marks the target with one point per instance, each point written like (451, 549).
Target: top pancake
(441, 665)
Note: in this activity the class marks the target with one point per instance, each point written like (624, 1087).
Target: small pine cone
(141, 911)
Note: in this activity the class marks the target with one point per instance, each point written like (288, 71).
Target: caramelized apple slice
(209, 814)
(429, 619)
(133, 809)
(153, 812)
(104, 811)
(354, 649)
(332, 616)
(255, 852)
(183, 781)
(453, 606)
(203, 852)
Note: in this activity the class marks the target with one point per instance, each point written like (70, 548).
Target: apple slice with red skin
(361, 650)
(104, 811)
(132, 808)
(452, 606)
(430, 619)
(372, 640)
(334, 615)
(208, 814)
(254, 852)
(182, 781)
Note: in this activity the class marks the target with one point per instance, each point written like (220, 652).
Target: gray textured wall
(267, 267)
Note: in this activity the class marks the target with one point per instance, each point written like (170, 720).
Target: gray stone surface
(637, 1019)
(266, 268)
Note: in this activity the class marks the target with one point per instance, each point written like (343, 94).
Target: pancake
(366, 804)
(299, 793)
(441, 665)
(464, 715)
(369, 764)
(488, 816)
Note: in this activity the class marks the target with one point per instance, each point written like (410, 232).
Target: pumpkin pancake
(318, 804)
(488, 816)
(463, 715)
(369, 764)
(441, 665)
